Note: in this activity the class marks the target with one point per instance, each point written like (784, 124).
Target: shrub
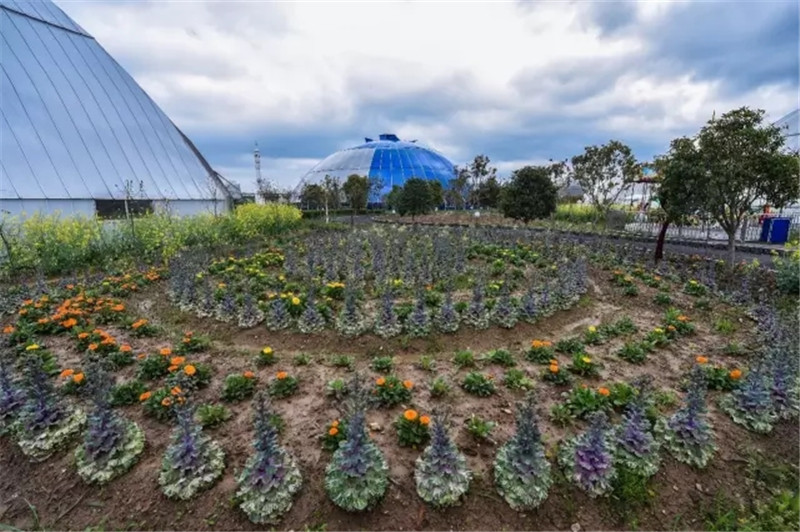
(192, 461)
(478, 384)
(238, 387)
(521, 470)
(441, 472)
(270, 478)
(412, 428)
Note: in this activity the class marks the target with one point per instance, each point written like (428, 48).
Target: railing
(750, 231)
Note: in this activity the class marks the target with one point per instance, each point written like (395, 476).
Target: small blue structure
(389, 159)
(775, 230)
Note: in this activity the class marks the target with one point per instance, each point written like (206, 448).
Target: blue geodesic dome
(389, 159)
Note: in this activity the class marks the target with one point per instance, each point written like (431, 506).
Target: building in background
(79, 135)
(388, 159)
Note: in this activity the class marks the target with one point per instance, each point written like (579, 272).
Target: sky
(521, 82)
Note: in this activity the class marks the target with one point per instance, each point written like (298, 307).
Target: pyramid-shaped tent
(78, 134)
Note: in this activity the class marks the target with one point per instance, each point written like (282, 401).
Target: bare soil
(134, 501)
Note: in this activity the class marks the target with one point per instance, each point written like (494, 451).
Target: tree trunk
(660, 242)
(352, 218)
(732, 249)
(327, 218)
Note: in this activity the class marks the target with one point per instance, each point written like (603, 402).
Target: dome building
(388, 159)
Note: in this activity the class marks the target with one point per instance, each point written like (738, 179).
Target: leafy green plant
(390, 390)
(335, 433)
(662, 298)
(210, 416)
(479, 428)
(266, 357)
(336, 388)
(412, 429)
(540, 352)
(382, 364)
(593, 336)
(582, 364)
(426, 363)
(439, 387)
(127, 393)
(238, 387)
(502, 357)
(724, 326)
(555, 375)
(570, 346)
(478, 384)
(153, 367)
(695, 288)
(343, 361)
(632, 352)
(283, 385)
(515, 379)
(303, 359)
(464, 359)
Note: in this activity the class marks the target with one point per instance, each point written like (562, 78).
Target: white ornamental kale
(311, 320)
(192, 462)
(418, 323)
(447, 318)
(441, 471)
(588, 459)
(386, 324)
(688, 434)
(270, 478)
(357, 476)
(476, 313)
(521, 469)
(504, 312)
(351, 321)
(278, 317)
(249, 314)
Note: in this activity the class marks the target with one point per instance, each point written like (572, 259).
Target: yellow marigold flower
(592, 329)
(166, 401)
(267, 351)
(410, 415)
(32, 347)
(586, 360)
(335, 423)
(295, 300)
(83, 336)
(176, 390)
(553, 368)
(536, 344)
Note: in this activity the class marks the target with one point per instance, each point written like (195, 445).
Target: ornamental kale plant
(111, 444)
(193, 461)
(278, 317)
(351, 321)
(447, 318)
(588, 459)
(529, 308)
(44, 424)
(637, 450)
(12, 397)
(270, 478)
(688, 434)
(311, 320)
(441, 471)
(504, 312)
(476, 314)
(784, 385)
(387, 325)
(521, 470)
(226, 307)
(418, 323)
(249, 314)
(357, 476)
(751, 404)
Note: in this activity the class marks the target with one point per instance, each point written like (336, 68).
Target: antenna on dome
(367, 139)
(413, 141)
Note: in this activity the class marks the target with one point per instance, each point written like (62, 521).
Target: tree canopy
(530, 194)
(605, 172)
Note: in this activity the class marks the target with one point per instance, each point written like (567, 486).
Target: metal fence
(750, 230)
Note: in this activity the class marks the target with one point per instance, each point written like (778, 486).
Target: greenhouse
(388, 159)
(79, 135)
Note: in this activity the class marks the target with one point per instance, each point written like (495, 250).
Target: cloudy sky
(521, 82)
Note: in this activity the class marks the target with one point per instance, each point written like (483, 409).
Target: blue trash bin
(766, 226)
(779, 233)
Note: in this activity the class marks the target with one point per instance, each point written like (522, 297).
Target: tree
(332, 191)
(478, 172)
(604, 173)
(487, 194)
(681, 189)
(530, 194)
(415, 198)
(743, 161)
(458, 188)
(312, 196)
(437, 192)
(267, 191)
(376, 185)
(356, 190)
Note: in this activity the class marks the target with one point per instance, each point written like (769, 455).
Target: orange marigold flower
(333, 431)
(172, 368)
(553, 368)
(554, 361)
(69, 323)
(42, 321)
(701, 359)
(249, 375)
(92, 347)
(407, 384)
(166, 401)
(671, 328)
(176, 390)
(188, 333)
(78, 378)
(425, 420)
(536, 344)
(118, 308)
(189, 369)
(410, 415)
(22, 312)
(165, 351)
(66, 373)
(145, 396)
(8, 329)
(335, 423)
(141, 356)
(281, 375)
(83, 336)
(605, 392)
(380, 381)
(177, 361)
(547, 343)
(125, 348)
(735, 374)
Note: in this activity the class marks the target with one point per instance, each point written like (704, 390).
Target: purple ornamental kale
(11, 396)
(105, 427)
(43, 409)
(525, 447)
(529, 310)
(355, 459)
(269, 468)
(634, 436)
(594, 460)
(186, 450)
